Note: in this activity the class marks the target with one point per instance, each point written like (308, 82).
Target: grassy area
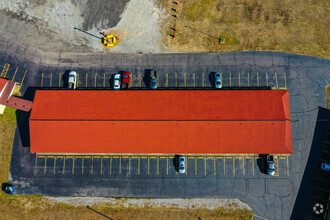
(38, 207)
(286, 25)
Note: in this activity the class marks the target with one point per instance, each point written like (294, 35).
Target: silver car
(72, 80)
(217, 81)
(116, 81)
(182, 164)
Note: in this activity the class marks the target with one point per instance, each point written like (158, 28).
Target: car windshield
(218, 83)
(181, 159)
(181, 168)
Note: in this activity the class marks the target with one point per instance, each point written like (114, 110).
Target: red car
(126, 80)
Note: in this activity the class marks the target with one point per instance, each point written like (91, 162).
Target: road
(270, 197)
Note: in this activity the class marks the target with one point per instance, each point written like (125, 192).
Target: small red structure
(161, 122)
(6, 99)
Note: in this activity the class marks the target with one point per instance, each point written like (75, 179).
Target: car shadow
(146, 77)
(261, 163)
(211, 79)
(176, 162)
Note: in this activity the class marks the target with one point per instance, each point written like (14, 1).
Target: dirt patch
(284, 25)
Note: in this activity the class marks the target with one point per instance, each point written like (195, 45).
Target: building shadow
(99, 213)
(314, 178)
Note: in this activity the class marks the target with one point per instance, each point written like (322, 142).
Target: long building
(161, 122)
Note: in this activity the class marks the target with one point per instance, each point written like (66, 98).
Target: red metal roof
(161, 122)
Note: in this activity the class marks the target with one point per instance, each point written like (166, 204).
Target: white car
(182, 164)
(116, 81)
(72, 80)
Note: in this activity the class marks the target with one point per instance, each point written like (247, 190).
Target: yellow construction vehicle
(109, 40)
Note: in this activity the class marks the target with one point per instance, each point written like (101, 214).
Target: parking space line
(219, 157)
(230, 79)
(14, 73)
(135, 157)
(125, 157)
(59, 80)
(167, 166)
(103, 80)
(254, 215)
(253, 166)
(42, 79)
(258, 78)
(5, 70)
(129, 166)
(153, 157)
(243, 167)
(200, 157)
(277, 170)
(120, 165)
(77, 80)
(285, 81)
(50, 82)
(239, 79)
(115, 157)
(186, 167)
(157, 166)
(35, 165)
(86, 79)
(248, 79)
(176, 79)
(185, 80)
(110, 165)
(194, 76)
(73, 165)
(148, 166)
(287, 165)
(140, 79)
(20, 85)
(195, 165)
(234, 165)
(215, 169)
(45, 165)
(101, 165)
(205, 165)
(92, 165)
(131, 80)
(276, 80)
(267, 79)
(95, 80)
(281, 157)
(54, 163)
(82, 165)
(224, 165)
(63, 164)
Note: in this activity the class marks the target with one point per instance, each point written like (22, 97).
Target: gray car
(217, 81)
(182, 164)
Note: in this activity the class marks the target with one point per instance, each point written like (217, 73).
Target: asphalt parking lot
(131, 176)
(55, 79)
(139, 166)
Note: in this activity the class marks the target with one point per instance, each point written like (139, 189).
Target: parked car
(126, 80)
(72, 80)
(325, 166)
(270, 165)
(116, 81)
(153, 79)
(182, 164)
(217, 81)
